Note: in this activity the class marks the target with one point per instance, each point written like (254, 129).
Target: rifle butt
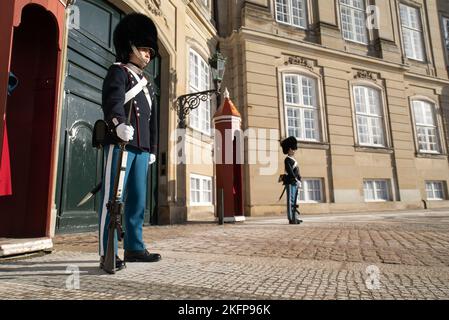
(109, 259)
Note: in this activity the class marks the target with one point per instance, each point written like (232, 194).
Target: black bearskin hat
(134, 29)
(289, 143)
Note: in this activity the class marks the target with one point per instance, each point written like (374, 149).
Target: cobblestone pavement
(385, 255)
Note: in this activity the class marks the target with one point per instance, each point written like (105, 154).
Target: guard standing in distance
(125, 87)
(292, 179)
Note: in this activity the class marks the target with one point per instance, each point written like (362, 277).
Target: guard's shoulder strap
(141, 85)
(134, 91)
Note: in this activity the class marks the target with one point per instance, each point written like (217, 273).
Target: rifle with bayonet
(115, 204)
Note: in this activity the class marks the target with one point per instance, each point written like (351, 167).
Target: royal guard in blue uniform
(127, 93)
(292, 178)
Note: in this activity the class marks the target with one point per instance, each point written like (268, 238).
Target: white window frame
(301, 108)
(202, 199)
(375, 189)
(430, 187)
(411, 31)
(199, 80)
(288, 5)
(349, 30)
(426, 126)
(370, 116)
(446, 37)
(303, 193)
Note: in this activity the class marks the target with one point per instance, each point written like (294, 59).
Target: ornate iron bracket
(191, 101)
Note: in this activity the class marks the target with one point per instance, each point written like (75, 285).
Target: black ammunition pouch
(283, 178)
(99, 134)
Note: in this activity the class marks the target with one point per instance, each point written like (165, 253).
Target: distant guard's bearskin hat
(289, 143)
(134, 29)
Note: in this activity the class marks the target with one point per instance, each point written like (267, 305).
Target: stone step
(15, 246)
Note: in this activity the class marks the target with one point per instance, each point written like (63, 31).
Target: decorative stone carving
(367, 75)
(154, 6)
(299, 61)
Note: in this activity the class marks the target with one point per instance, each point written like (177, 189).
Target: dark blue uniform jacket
(143, 117)
(292, 172)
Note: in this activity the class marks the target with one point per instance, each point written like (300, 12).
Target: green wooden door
(80, 167)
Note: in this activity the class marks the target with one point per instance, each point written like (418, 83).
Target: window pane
(199, 118)
(360, 4)
(446, 36)
(194, 190)
(362, 129)
(193, 79)
(310, 124)
(435, 190)
(315, 187)
(293, 122)
(418, 50)
(353, 19)
(414, 21)
(299, 13)
(368, 190)
(408, 45)
(426, 130)
(346, 20)
(310, 194)
(373, 102)
(293, 12)
(376, 190)
(201, 190)
(360, 26)
(412, 32)
(308, 91)
(418, 110)
(310, 190)
(360, 99)
(205, 185)
(369, 116)
(381, 189)
(429, 190)
(301, 194)
(302, 121)
(194, 118)
(292, 89)
(439, 192)
(404, 15)
(282, 10)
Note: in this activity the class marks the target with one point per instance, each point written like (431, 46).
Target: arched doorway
(30, 114)
(90, 54)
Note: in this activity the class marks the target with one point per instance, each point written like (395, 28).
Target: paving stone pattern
(326, 257)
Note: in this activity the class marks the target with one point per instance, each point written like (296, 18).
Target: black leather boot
(141, 256)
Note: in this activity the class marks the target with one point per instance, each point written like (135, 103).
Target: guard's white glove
(298, 184)
(125, 132)
(152, 158)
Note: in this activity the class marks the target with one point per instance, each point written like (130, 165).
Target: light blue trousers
(134, 197)
(291, 201)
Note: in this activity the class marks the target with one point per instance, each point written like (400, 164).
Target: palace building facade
(362, 85)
